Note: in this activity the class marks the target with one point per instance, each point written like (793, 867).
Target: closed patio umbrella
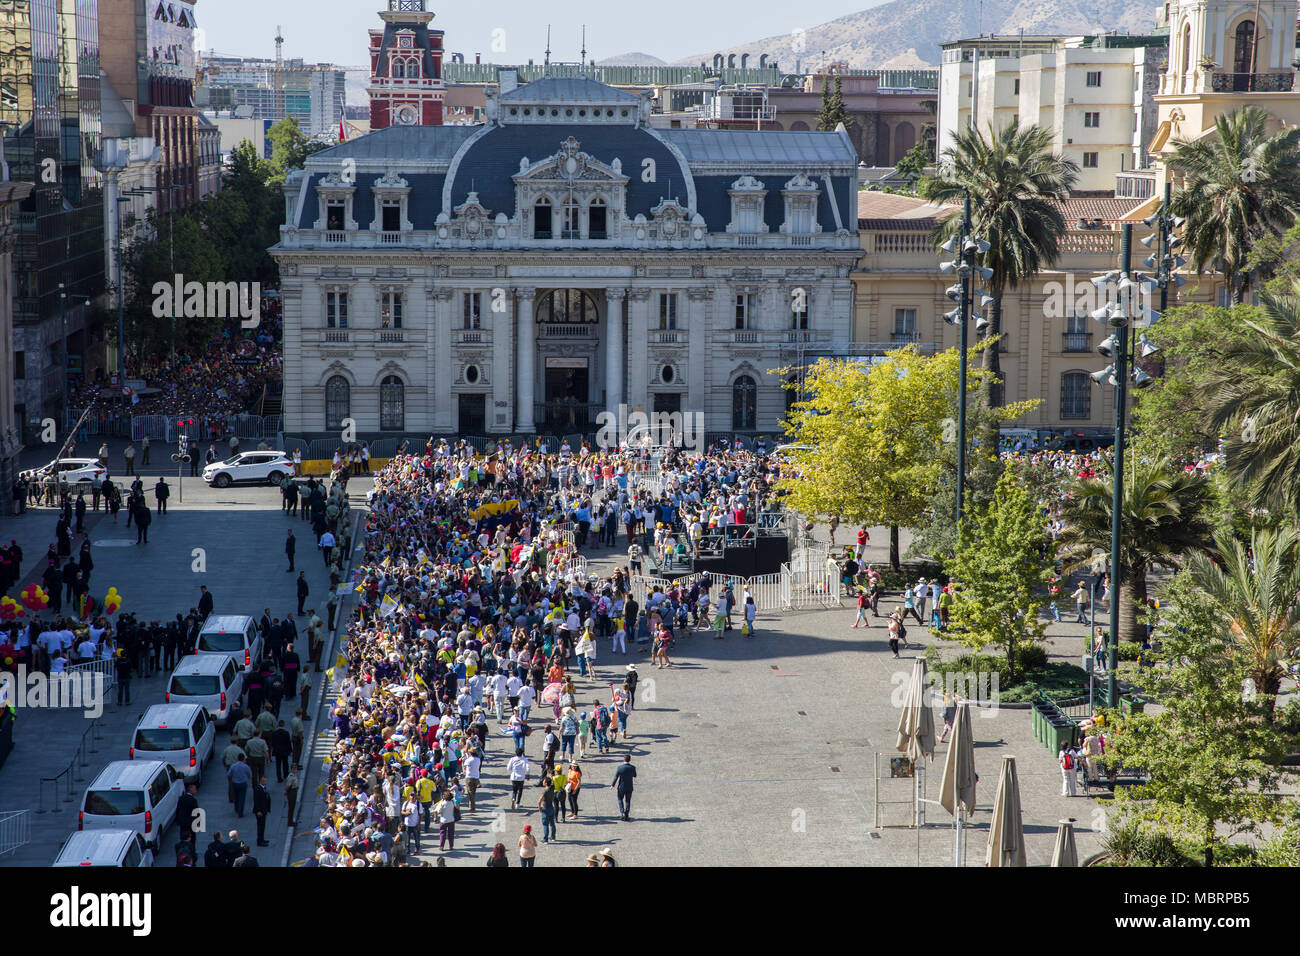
(1006, 835)
(1065, 853)
(958, 786)
(916, 722)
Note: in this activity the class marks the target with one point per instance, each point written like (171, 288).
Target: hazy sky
(335, 31)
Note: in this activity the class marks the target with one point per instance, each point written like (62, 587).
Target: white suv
(269, 466)
(72, 470)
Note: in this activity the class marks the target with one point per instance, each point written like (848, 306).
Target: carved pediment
(569, 164)
(391, 180)
(747, 184)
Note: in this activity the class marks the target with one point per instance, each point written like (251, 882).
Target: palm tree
(1160, 522)
(1258, 594)
(1256, 390)
(1239, 185)
(1015, 184)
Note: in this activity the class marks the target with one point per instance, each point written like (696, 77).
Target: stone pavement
(761, 752)
(240, 532)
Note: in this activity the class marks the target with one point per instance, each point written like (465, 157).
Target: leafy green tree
(915, 160)
(179, 247)
(290, 147)
(1254, 396)
(1016, 184)
(1240, 185)
(1163, 519)
(1256, 593)
(1003, 560)
(1168, 419)
(1213, 763)
(243, 219)
(866, 438)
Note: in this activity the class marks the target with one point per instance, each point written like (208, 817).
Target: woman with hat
(527, 847)
(572, 787)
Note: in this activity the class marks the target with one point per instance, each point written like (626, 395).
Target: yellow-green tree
(866, 437)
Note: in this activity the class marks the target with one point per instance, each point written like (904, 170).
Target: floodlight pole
(1117, 472)
(961, 372)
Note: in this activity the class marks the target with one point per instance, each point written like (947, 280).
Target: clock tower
(406, 86)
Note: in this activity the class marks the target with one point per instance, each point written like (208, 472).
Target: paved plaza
(749, 752)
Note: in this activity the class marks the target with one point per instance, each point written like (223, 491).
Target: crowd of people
(219, 382)
(478, 645)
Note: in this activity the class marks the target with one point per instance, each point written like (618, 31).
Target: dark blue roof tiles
(488, 165)
(398, 144)
(569, 89)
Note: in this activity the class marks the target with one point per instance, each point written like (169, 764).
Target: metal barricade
(15, 830)
(105, 668)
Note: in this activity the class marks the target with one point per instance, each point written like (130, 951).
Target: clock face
(406, 115)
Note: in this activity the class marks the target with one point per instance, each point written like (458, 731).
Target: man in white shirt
(327, 546)
(518, 770)
(526, 697)
(86, 650)
(473, 770)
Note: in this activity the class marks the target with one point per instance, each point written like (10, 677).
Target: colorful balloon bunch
(9, 609)
(112, 601)
(35, 598)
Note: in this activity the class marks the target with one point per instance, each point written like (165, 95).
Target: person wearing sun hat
(607, 857)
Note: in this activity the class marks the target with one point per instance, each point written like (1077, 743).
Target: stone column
(698, 325)
(638, 329)
(614, 332)
(526, 363)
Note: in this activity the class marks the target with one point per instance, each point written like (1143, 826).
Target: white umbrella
(916, 722)
(1065, 853)
(957, 789)
(1006, 835)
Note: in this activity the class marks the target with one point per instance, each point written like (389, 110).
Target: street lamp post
(121, 295)
(63, 356)
(1124, 316)
(966, 247)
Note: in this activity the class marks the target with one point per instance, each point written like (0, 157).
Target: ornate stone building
(561, 259)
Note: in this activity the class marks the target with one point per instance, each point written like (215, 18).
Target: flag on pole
(343, 133)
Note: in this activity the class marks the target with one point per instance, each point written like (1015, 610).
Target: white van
(122, 848)
(234, 634)
(209, 680)
(137, 795)
(182, 734)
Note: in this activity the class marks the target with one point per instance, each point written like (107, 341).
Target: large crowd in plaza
(481, 643)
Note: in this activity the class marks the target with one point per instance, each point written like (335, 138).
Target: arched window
(744, 404)
(399, 69)
(1243, 56)
(542, 219)
(1187, 49)
(596, 219)
(1076, 396)
(567, 305)
(392, 404)
(338, 401)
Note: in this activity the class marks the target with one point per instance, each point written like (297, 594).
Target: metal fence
(779, 591)
(165, 428)
(15, 830)
(104, 667)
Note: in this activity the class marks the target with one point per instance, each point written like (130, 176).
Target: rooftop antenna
(583, 57)
(547, 61)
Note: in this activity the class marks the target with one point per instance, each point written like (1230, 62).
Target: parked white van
(121, 848)
(209, 680)
(182, 734)
(136, 795)
(234, 634)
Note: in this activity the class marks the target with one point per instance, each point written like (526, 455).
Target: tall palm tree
(1254, 395)
(1016, 184)
(1238, 185)
(1258, 594)
(1160, 522)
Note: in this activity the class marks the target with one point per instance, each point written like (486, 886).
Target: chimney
(731, 61)
(477, 59)
(507, 80)
(762, 60)
(744, 61)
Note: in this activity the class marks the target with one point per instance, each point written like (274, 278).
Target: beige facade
(1094, 93)
(1219, 61)
(1050, 342)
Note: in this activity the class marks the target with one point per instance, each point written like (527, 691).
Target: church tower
(406, 86)
(1223, 55)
